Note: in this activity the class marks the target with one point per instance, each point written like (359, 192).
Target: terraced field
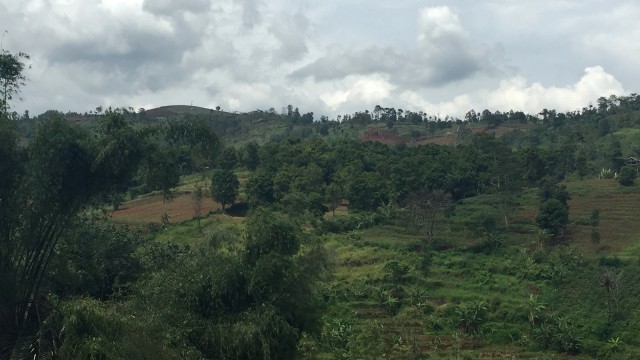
(619, 225)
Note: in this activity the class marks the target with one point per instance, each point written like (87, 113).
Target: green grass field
(460, 299)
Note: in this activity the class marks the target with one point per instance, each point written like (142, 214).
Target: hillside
(208, 234)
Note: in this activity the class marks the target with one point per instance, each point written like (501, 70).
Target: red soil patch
(150, 209)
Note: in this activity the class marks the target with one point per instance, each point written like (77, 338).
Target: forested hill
(184, 232)
(387, 124)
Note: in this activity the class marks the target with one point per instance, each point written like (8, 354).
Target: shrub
(627, 176)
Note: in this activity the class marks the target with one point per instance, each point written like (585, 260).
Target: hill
(383, 235)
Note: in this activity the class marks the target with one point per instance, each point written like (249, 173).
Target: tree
(553, 216)
(161, 170)
(366, 191)
(224, 187)
(63, 169)
(251, 159)
(228, 159)
(11, 77)
(195, 137)
(120, 151)
(197, 197)
(253, 304)
(333, 194)
(260, 189)
(98, 260)
(611, 283)
(627, 176)
(427, 206)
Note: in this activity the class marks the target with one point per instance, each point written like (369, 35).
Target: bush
(99, 260)
(470, 318)
(610, 261)
(339, 224)
(627, 176)
(396, 272)
(553, 216)
(489, 244)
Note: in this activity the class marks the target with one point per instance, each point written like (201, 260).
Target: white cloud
(438, 25)
(514, 93)
(367, 91)
(517, 94)
(330, 58)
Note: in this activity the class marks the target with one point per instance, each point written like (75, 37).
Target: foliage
(627, 176)
(437, 274)
(366, 191)
(63, 170)
(90, 330)
(224, 187)
(254, 303)
(11, 77)
(470, 318)
(194, 137)
(228, 159)
(197, 197)
(259, 189)
(553, 216)
(97, 260)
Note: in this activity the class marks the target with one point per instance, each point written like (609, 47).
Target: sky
(328, 57)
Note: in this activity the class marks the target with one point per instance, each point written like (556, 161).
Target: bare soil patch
(150, 209)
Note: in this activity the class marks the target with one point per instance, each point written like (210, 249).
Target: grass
(502, 280)
(190, 232)
(417, 314)
(619, 229)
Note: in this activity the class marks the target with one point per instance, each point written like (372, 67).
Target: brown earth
(150, 209)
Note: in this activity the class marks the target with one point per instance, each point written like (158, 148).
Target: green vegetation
(511, 239)
(224, 187)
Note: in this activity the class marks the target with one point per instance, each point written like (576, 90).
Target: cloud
(341, 62)
(517, 94)
(250, 13)
(291, 32)
(174, 8)
(444, 53)
(330, 57)
(445, 47)
(366, 90)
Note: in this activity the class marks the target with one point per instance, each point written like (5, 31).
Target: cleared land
(151, 208)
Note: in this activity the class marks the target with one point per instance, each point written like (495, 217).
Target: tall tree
(11, 77)
(224, 187)
(63, 169)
